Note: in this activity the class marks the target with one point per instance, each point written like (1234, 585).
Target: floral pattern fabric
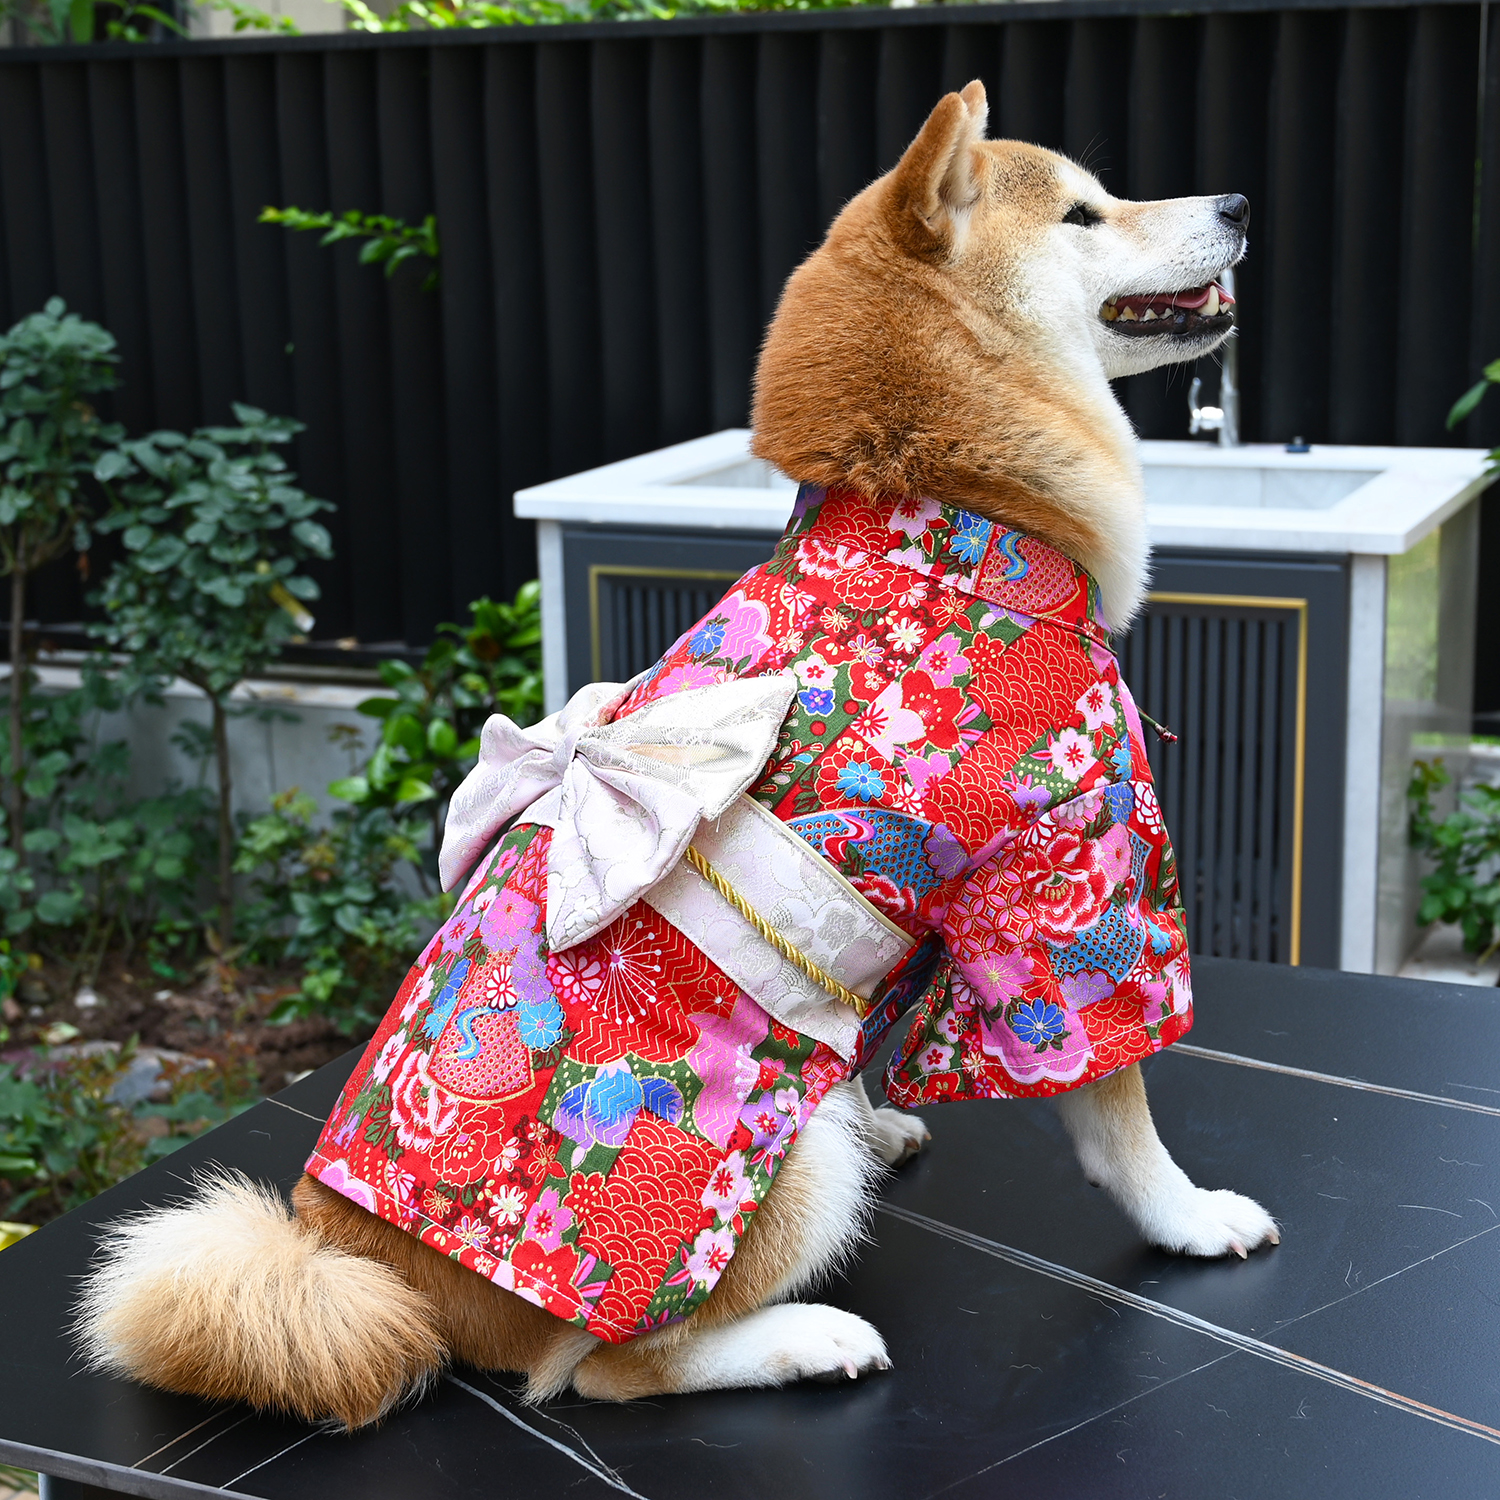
(593, 1128)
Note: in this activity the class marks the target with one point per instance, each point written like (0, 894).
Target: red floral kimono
(592, 1128)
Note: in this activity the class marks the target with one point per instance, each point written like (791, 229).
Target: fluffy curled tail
(229, 1297)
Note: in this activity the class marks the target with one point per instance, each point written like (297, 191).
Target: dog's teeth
(1109, 312)
(1127, 315)
(1211, 307)
(1148, 316)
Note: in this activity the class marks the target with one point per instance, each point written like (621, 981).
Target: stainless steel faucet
(1225, 417)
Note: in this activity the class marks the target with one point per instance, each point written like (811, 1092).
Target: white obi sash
(626, 800)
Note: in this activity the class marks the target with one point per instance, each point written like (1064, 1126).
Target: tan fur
(227, 1297)
(479, 1323)
(915, 352)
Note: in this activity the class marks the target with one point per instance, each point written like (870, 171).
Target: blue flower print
(1039, 1022)
(970, 537)
(603, 1109)
(1120, 759)
(539, 1023)
(447, 998)
(860, 779)
(708, 637)
(816, 700)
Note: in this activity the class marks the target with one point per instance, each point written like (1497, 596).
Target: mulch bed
(220, 1013)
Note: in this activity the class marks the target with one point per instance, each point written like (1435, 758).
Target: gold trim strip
(819, 977)
(1299, 756)
(619, 570)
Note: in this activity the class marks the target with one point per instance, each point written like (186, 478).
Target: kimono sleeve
(1066, 958)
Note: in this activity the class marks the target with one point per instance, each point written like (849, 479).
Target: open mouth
(1199, 309)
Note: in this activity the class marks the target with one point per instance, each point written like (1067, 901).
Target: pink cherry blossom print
(943, 660)
(1071, 755)
(912, 516)
(728, 1186)
(548, 1220)
(709, 1256)
(1097, 706)
(923, 770)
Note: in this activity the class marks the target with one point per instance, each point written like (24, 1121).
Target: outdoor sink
(1257, 497)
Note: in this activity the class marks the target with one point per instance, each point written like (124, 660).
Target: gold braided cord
(792, 955)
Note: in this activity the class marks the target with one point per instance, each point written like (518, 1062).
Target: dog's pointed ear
(934, 184)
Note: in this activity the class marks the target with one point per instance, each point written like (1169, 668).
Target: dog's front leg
(1120, 1151)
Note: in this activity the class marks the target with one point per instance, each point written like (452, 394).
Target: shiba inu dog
(601, 1154)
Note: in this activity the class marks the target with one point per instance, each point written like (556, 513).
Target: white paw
(1199, 1222)
(897, 1136)
(807, 1340)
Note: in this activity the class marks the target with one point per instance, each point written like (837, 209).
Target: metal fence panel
(619, 206)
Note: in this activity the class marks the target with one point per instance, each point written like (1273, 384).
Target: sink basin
(1255, 498)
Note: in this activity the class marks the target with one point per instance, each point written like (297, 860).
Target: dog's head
(1036, 242)
(956, 333)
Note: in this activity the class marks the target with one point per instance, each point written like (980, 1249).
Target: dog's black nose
(1234, 208)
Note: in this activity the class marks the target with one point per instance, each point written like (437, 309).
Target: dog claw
(1274, 1237)
(851, 1369)
(1238, 1249)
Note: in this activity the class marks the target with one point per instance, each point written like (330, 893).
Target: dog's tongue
(1188, 301)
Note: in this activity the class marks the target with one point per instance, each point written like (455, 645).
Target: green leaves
(99, 864)
(1470, 399)
(1463, 886)
(51, 439)
(65, 1137)
(329, 897)
(429, 733)
(213, 529)
(388, 242)
(1474, 395)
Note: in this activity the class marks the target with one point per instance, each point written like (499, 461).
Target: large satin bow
(623, 798)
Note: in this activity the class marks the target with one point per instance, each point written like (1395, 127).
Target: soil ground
(220, 1013)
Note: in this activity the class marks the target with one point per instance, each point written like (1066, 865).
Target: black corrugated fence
(619, 205)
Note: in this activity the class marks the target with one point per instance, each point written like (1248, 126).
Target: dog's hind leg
(1120, 1151)
(894, 1135)
(810, 1221)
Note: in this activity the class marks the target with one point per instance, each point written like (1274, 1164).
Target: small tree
(207, 589)
(50, 439)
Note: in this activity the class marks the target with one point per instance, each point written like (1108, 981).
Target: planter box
(1311, 614)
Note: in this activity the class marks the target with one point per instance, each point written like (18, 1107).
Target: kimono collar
(955, 548)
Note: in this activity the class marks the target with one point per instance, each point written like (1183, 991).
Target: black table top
(1039, 1348)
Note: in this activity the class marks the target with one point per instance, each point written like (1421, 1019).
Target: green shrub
(64, 1136)
(101, 869)
(331, 900)
(429, 732)
(1463, 886)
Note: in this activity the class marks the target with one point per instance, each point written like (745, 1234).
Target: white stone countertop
(1257, 497)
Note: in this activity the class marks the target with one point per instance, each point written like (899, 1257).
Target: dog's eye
(1082, 215)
